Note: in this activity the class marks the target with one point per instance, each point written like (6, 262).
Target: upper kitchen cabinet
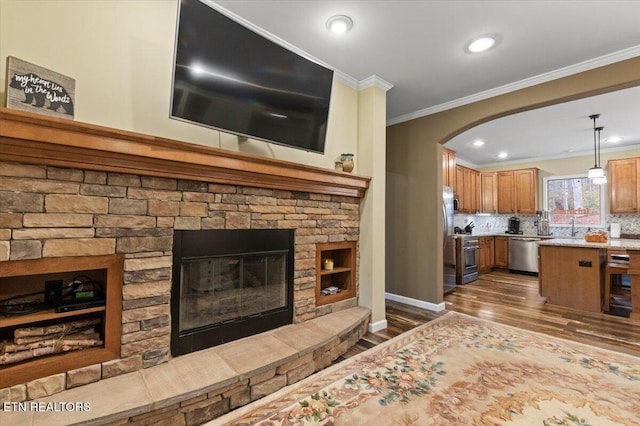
(488, 192)
(449, 168)
(518, 191)
(624, 185)
(467, 182)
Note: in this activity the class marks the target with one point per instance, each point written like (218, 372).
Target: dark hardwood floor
(514, 300)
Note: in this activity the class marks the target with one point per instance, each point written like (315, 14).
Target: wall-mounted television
(228, 77)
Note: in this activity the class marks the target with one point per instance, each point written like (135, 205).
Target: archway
(414, 172)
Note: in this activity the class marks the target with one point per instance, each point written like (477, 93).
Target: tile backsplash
(496, 223)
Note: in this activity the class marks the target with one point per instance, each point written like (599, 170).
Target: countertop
(550, 240)
(580, 242)
(504, 234)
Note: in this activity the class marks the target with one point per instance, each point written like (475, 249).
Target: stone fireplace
(229, 284)
(71, 189)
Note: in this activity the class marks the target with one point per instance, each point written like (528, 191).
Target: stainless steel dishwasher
(523, 255)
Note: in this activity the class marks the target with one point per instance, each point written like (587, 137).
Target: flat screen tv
(228, 77)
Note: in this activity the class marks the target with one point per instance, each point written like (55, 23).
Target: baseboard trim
(415, 302)
(377, 326)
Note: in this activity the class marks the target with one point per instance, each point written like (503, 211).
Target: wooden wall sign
(36, 89)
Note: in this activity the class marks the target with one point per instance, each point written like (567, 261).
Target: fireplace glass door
(227, 284)
(218, 290)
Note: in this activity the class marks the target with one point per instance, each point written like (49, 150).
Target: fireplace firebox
(229, 284)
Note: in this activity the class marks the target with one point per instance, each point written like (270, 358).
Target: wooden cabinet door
(482, 264)
(491, 258)
(448, 168)
(459, 189)
(488, 193)
(501, 252)
(485, 254)
(526, 190)
(474, 176)
(465, 184)
(451, 169)
(467, 191)
(506, 195)
(624, 185)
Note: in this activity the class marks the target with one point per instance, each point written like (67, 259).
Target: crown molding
(374, 81)
(611, 58)
(346, 79)
(574, 154)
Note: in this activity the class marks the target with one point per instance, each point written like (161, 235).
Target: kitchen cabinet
(488, 197)
(572, 276)
(501, 252)
(485, 254)
(449, 168)
(467, 181)
(517, 191)
(623, 175)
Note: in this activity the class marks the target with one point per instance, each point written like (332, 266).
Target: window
(567, 197)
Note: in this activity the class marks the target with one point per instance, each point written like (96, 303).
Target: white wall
(120, 53)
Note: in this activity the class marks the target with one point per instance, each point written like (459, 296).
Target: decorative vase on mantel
(347, 162)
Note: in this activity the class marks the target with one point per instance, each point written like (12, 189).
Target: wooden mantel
(37, 139)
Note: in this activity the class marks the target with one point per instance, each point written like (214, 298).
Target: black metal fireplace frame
(228, 242)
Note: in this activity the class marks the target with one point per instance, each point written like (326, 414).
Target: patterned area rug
(461, 370)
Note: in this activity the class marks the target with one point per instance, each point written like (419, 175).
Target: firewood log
(33, 339)
(65, 328)
(59, 346)
(71, 340)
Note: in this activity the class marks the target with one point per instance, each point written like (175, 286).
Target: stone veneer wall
(54, 212)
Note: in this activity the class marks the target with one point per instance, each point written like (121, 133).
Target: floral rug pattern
(460, 370)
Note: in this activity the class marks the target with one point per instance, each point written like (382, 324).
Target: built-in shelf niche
(341, 273)
(28, 276)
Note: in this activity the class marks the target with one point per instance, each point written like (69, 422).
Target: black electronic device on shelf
(82, 293)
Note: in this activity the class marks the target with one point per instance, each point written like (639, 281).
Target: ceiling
(418, 47)
(563, 130)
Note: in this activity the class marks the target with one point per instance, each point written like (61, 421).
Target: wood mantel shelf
(37, 139)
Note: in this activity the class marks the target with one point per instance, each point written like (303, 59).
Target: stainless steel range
(467, 266)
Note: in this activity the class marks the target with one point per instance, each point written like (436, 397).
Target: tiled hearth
(47, 211)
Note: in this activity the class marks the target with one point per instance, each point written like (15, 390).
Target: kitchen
(504, 204)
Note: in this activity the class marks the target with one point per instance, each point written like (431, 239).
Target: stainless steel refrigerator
(449, 241)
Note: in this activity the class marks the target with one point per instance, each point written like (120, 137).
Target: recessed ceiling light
(478, 142)
(481, 44)
(503, 155)
(614, 139)
(339, 24)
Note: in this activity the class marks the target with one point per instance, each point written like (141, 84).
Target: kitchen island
(572, 272)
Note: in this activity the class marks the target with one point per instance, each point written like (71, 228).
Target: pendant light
(600, 180)
(596, 171)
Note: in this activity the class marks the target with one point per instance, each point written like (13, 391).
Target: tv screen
(230, 78)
